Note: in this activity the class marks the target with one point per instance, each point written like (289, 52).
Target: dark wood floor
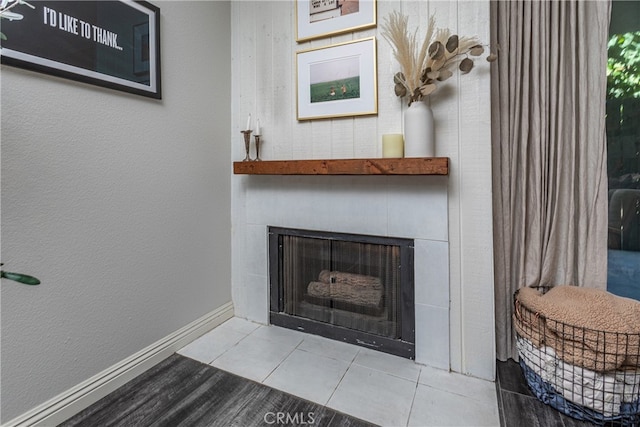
(183, 392)
(519, 407)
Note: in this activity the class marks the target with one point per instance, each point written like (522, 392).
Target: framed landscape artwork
(337, 80)
(322, 18)
(114, 44)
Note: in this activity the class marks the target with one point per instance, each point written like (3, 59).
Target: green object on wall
(19, 277)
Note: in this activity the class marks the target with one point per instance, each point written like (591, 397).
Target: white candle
(392, 145)
(248, 123)
(257, 129)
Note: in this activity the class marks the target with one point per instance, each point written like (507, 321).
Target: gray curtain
(549, 149)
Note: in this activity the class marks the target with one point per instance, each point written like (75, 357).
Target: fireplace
(353, 288)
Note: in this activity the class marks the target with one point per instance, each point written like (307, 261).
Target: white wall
(264, 82)
(119, 204)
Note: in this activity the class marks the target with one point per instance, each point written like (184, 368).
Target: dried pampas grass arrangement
(431, 61)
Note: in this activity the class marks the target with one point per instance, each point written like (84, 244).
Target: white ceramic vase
(419, 132)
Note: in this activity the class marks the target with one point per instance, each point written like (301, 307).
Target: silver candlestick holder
(247, 143)
(257, 137)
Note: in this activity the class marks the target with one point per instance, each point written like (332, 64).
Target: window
(623, 146)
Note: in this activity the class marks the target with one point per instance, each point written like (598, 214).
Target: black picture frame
(113, 44)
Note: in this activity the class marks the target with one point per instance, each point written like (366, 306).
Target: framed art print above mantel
(339, 80)
(323, 18)
(114, 44)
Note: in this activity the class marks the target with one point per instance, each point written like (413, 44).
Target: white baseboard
(67, 404)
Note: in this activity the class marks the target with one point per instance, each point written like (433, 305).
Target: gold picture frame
(338, 80)
(323, 18)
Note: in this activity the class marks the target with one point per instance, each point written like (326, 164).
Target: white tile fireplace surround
(396, 206)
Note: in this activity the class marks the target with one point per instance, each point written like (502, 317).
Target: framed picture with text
(323, 18)
(114, 44)
(337, 81)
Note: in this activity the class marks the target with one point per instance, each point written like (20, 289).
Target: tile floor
(376, 387)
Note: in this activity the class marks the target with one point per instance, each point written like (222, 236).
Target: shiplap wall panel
(475, 199)
(263, 111)
(449, 117)
(342, 138)
(389, 118)
(445, 103)
(243, 63)
(283, 91)
(246, 60)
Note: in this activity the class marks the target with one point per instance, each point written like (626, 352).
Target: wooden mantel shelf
(385, 166)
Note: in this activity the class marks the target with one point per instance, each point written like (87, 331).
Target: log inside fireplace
(347, 291)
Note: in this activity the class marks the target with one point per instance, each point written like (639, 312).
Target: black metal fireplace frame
(404, 346)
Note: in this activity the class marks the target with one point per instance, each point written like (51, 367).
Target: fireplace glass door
(353, 288)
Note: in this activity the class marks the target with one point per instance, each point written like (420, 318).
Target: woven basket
(557, 370)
